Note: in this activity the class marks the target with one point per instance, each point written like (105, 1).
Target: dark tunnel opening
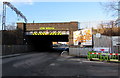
(44, 42)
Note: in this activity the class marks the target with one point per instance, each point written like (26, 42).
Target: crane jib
(16, 10)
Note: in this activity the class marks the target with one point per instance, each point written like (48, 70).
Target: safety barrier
(93, 55)
(114, 57)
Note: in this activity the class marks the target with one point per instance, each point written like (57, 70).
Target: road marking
(80, 62)
(12, 55)
(52, 64)
(75, 59)
(93, 62)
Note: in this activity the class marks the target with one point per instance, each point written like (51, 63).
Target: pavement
(13, 55)
(10, 55)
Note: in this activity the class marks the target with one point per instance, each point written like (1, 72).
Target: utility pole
(4, 17)
(119, 14)
(118, 24)
(14, 9)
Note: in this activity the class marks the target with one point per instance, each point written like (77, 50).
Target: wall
(0, 42)
(79, 51)
(12, 37)
(12, 49)
(0, 50)
(10, 42)
(0, 59)
(0, 37)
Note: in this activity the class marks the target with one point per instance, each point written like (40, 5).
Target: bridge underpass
(44, 42)
(41, 35)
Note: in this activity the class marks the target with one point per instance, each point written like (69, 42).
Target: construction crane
(14, 9)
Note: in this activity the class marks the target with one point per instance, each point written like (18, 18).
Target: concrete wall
(79, 51)
(12, 49)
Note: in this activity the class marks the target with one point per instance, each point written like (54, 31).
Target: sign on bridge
(47, 33)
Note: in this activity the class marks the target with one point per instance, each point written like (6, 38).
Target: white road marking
(80, 62)
(52, 64)
(93, 62)
(75, 59)
(10, 55)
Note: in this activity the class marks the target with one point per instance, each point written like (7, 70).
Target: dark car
(66, 49)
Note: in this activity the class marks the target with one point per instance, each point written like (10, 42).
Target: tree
(113, 8)
(112, 27)
(10, 27)
(109, 29)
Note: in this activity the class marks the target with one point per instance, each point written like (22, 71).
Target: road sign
(98, 35)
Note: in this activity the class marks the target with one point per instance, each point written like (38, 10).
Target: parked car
(66, 49)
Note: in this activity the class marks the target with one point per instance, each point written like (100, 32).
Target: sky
(47, 12)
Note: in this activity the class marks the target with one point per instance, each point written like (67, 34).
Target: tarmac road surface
(52, 64)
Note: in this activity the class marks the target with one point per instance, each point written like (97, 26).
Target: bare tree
(109, 29)
(112, 7)
(10, 26)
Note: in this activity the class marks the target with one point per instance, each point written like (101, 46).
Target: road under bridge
(41, 35)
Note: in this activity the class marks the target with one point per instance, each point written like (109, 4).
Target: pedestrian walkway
(11, 55)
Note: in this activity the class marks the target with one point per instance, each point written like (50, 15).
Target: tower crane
(14, 9)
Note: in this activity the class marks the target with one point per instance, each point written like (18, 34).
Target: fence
(107, 41)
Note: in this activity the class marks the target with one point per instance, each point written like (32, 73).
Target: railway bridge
(41, 35)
